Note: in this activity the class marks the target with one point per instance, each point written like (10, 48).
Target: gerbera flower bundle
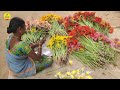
(58, 45)
(94, 48)
(56, 27)
(88, 19)
(51, 18)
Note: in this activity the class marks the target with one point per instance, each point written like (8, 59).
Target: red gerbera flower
(73, 33)
(79, 13)
(111, 30)
(97, 19)
(75, 41)
(76, 16)
(92, 14)
(84, 30)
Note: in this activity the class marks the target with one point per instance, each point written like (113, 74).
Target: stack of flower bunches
(56, 27)
(58, 36)
(92, 48)
(88, 19)
(58, 45)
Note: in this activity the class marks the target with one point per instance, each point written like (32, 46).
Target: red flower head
(97, 19)
(68, 22)
(72, 44)
(75, 41)
(76, 16)
(84, 30)
(73, 33)
(76, 25)
(107, 25)
(92, 30)
(87, 15)
(92, 14)
(111, 30)
(78, 28)
(79, 13)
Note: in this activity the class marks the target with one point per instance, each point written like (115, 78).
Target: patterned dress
(23, 49)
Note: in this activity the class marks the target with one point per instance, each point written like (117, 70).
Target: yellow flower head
(82, 77)
(70, 62)
(68, 73)
(89, 77)
(56, 40)
(72, 76)
(33, 30)
(79, 77)
(78, 71)
(74, 72)
(59, 74)
(87, 73)
(83, 69)
(50, 17)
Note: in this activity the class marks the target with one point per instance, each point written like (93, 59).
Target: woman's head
(16, 25)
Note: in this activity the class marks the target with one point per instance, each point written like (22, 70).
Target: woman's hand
(34, 45)
(43, 40)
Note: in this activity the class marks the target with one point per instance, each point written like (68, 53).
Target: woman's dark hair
(14, 24)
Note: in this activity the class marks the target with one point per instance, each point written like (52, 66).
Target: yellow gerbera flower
(33, 30)
(82, 77)
(70, 62)
(59, 73)
(78, 71)
(50, 17)
(87, 73)
(74, 72)
(68, 73)
(72, 76)
(89, 77)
